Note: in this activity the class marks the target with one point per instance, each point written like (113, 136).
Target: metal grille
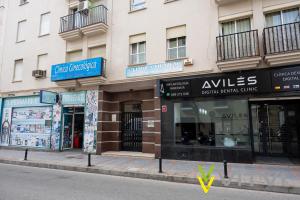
(238, 45)
(83, 18)
(283, 38)
(132, 127)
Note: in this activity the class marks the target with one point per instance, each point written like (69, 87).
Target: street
(27, 183)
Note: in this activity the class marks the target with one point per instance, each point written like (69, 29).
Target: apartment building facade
(182, 79)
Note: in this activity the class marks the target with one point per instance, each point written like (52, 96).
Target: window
(45, 24)
(176, 48)
(220, 123)
(282, 32)
(236, 26)
(74, 56)
(283, 17)
(18, 70)
(42, 62)
(237, 41)
(21, 31)
(137, 4)
(98, 51)
(138, 53)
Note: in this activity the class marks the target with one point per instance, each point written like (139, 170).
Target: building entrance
(73, 127)
(276, 128)
(132, 127)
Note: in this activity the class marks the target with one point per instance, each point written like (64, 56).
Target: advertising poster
(31, 127)
(56, 127)
(91, 118)
(6, 127)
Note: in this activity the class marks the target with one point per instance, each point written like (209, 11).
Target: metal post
(26, 153)
(89, 160)
(225, 169)
(160, 165)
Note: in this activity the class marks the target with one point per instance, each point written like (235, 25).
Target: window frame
(177, 47)
(38, 61)
(18, 31)
(40, 28)
(138, 53)
(132, 8)
(281, 11)
(14, 80)
(235, 20)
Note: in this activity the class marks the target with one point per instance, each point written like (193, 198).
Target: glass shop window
(220, 123)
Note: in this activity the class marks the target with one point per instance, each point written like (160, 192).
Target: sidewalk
(275, 178)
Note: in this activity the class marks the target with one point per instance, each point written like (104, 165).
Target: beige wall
(201, 19)
(34, 45)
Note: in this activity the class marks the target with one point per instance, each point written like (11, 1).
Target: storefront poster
(56, 127)
(286, 79)
(5, 127)
(31, 127)
(91, 119)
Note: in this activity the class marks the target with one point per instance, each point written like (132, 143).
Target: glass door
(67, 131)
(270, 129)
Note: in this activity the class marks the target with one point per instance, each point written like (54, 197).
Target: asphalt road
(27, 183)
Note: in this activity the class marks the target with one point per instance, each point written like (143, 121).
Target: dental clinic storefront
(55, 120)
(237, 116)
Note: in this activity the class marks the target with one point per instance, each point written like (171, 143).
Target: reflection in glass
(222, 123)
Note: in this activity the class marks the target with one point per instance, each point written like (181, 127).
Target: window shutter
(176, 32)
(137, 38)
(74, 56)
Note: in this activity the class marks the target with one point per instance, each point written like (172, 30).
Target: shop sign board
(154, 69)
(78, 69)
(286, 79)
(250, 82)
(22, 101)
(73, 98)
(48, 97)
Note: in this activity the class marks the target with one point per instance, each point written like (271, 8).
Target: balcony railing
(282, 38)
(238, 45)
(83, 18)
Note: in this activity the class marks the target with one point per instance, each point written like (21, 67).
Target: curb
(159, 177)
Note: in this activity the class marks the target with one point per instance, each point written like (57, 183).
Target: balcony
(238, 51)
(282, 44)
(86, 22)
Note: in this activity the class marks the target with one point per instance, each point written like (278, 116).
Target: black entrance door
(276, 128)
(132, 127)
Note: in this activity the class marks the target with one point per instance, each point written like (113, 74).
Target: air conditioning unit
(84, 5)
(39, 73)
(188, 62)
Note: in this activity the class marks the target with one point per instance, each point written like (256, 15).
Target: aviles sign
(235, 83)
(78, 69)
(241, 81)
(230, 85)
